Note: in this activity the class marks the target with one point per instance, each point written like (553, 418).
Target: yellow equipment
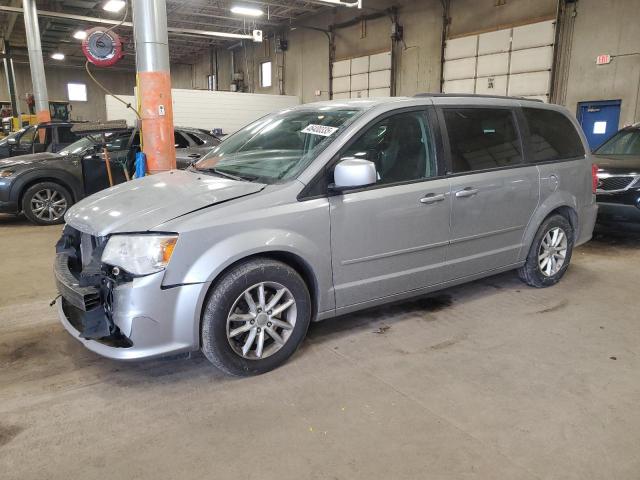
(60, 111)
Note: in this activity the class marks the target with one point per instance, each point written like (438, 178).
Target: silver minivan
(318, 211)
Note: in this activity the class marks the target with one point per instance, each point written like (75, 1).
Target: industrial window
(552, 136)
(482, 138)
(77, 92)
(265, 74)
(400, 146)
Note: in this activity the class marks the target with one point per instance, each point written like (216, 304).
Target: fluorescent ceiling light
(248, 11)
(80, 35)
(114, 5)
(57, 56)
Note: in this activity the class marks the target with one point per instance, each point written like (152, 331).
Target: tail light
(594, 178)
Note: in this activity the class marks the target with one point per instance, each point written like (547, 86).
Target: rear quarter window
(552, 136)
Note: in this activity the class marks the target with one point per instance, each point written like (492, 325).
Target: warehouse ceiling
(211, 15)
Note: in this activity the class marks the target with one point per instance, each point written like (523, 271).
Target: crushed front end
(116, 314)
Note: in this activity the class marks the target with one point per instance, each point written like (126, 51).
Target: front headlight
(5, 173)
(139, 254)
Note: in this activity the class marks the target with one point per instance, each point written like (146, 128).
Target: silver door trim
(487, 234)
(394, 253)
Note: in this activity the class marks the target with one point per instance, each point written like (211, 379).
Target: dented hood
(142, 204)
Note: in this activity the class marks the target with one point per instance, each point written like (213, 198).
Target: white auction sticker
(320, 130)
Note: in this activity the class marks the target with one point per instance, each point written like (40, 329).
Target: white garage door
(362, 77)
(514, 61)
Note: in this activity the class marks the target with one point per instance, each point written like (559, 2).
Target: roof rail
(474, 95)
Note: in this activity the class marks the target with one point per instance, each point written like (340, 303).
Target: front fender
(25, 178)
(554, 201)
(213, 260)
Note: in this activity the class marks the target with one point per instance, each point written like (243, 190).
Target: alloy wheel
(552, 252)
(48, 205)
(261, 320)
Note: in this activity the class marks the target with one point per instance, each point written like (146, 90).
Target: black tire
(223, 297)
(531, 272)
(51, 217)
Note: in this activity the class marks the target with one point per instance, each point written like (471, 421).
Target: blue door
(599, 120)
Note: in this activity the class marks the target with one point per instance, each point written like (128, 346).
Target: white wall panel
(381, 61)
(512, 61)
(533, 35)
(360, 82)
(342, 84)
(461, 47)
(494, 42)
(492, 65)
(381, 79)
(458, 69)
(359, 65)
(531, 60)
(459, 86)
(492, 85)
(529, 84)
(210, 109)
(118, 111)
(364, 73)
(380, 92)
(342, 68)
(360, 94)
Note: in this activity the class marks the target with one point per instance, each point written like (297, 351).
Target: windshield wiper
(220, 173)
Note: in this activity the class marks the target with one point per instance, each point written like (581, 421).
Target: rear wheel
(550, 253)
(46, 203)
(255, 318)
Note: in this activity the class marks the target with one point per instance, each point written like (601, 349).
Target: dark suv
(618, 190)
(44, 137)
(44, 185)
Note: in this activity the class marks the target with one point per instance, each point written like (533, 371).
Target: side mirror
(12, 141)
(354, 172)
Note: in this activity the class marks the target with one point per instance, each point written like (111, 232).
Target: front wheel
(550, 253)
(46, 203)
(255, 318)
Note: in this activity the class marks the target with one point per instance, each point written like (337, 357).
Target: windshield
(279, 146)
(79, 146)
(625, 142)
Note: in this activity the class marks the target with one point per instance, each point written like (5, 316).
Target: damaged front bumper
(130, 319)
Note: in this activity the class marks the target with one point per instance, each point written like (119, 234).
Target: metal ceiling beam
(104, 21)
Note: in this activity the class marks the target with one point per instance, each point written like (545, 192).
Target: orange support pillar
(154, 84)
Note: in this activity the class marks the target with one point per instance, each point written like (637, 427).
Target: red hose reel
(103, 48)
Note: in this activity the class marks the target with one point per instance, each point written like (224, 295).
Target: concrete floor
(492, 380)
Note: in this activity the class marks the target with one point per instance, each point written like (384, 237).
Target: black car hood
(618, 163)
(24, 160)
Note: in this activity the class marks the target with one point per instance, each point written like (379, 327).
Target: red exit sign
(603, 59)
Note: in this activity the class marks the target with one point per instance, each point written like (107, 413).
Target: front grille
(613, 184)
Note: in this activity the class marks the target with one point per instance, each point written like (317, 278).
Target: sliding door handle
(432, 198)
(467, 192)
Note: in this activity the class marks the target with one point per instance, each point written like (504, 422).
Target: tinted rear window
(552, 136)
(65, 135)
(482, 138)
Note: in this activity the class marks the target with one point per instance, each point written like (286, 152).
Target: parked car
(618, 189)
(322, 210)
(192, 144)
(45, 137)
(44, 185)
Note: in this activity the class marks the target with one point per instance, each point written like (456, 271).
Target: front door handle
(194, 155)
(432, 198)
(467, 192)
